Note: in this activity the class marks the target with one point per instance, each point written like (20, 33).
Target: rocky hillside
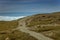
(47, 24)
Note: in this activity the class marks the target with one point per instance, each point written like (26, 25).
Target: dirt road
(38, 36)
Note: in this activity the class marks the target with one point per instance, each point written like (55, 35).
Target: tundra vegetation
(40, 23)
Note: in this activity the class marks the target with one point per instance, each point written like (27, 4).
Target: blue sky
(28, 7)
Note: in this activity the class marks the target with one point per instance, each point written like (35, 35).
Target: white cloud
(8, 18)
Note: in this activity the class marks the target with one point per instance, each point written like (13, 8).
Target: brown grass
(8, 25)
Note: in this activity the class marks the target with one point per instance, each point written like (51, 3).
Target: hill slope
(47, 24)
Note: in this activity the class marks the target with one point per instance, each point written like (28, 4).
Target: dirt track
(38, 36)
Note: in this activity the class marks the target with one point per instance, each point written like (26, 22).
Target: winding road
(38, 36)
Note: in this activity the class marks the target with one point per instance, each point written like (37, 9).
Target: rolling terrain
(47, 26)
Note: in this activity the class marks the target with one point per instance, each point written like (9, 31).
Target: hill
(47, 24)
(7, 31)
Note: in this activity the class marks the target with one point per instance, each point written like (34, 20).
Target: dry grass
(35, 22)
(8, 25)
(17, 35)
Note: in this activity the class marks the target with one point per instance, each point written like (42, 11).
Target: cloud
(8, 18)
(23, 5)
